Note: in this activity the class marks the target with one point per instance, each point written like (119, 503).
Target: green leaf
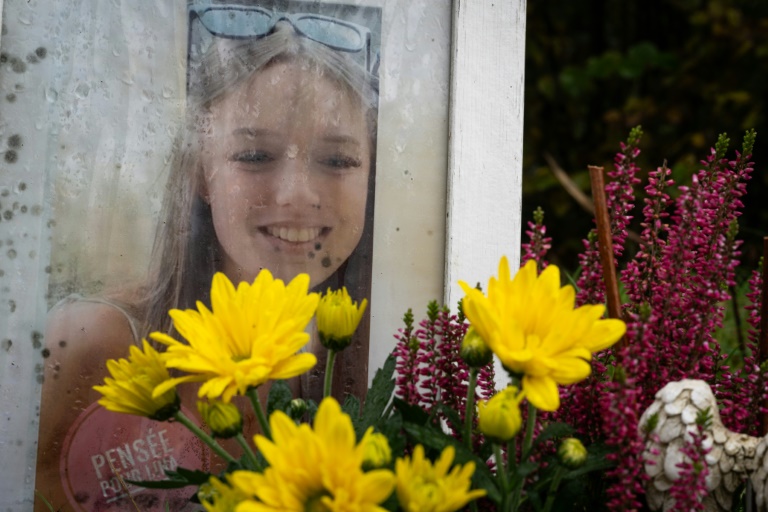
(176, 479)
(524, 469)
(280, 397)
(553, 431)
(411, 413)
(452, 417)
(351, 407)
(380, 394)
(392, 428)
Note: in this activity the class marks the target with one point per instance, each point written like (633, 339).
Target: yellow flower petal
(542, 392)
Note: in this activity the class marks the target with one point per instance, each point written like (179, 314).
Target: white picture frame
(478, 222)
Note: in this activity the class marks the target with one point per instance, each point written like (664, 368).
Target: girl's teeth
(294, 234)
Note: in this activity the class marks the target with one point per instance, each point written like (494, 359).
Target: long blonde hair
(185, 254)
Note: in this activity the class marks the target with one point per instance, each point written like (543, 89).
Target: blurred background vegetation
(686, 70)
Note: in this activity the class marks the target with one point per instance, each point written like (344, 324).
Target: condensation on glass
(143, 147)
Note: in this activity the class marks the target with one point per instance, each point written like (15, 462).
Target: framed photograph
(371, 144)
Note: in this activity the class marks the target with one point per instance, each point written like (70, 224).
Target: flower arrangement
(434, 433)
(399, 453)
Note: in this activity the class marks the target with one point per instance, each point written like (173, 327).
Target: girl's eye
(342, 162)
(252, 157)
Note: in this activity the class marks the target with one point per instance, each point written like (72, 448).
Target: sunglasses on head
(251, 22)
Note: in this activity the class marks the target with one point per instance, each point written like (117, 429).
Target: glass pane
(142, 154)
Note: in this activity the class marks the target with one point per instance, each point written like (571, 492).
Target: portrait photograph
(170, 143)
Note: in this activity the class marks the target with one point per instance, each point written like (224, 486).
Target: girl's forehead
(292, 85)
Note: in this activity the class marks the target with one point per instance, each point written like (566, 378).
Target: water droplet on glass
(82, 91)
(167, 92)
(51, 95)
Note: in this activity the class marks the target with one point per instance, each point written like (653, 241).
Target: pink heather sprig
(538, 243)
(619, 192)
(429, 369)
(690, 489)
(620, 198)
(620, 406)
(643, 270)
(620, 413)
(406, 367)
(590, 288)
(697, 263)
(741, 394)
(453, 373)
(428, 356)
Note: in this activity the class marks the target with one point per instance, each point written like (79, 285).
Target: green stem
(329, 372)
(512, 456)
(553, 489)
(501, 474)
(469, 413)
(527, 442)
(216, 447)
(256, 403)
(247, 450)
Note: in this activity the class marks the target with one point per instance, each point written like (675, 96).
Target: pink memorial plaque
(102, 445)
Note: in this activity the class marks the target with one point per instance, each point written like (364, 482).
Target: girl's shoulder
(99, 326)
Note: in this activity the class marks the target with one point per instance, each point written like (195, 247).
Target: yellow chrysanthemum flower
(338, 318)
(129, 390)
(531, 325)
(499, 417)
(423, 487)
(217, 496)
(314, 469)
(252, 335)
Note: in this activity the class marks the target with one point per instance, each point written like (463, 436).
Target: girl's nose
(295, 186)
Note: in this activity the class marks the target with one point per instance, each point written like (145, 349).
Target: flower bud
(297, 408)
(376, 451)
(224, 419)
(338, 318)
(572, 453)
(499, 418)
(474, 350)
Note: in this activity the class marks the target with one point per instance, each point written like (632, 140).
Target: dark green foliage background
(686, 70)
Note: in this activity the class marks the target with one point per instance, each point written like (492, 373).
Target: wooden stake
(763, 347)
(605, 245)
